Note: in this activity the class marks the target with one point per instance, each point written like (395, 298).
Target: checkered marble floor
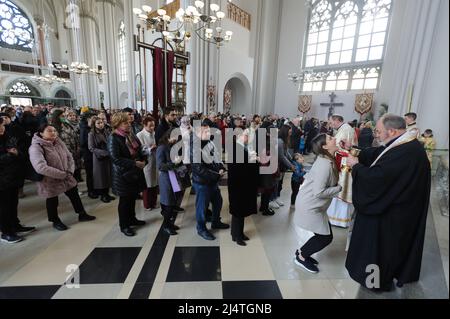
(95, 261)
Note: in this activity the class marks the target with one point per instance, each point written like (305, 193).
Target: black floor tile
(35, 292)
(251, 290)
(195, 264)
(108, 265)
(141, 291)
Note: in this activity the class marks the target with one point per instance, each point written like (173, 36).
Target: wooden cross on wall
(332, 104)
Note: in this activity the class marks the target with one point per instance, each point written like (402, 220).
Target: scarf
(405, 138)
(131, 142)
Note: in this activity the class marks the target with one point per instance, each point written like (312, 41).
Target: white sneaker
(279, 202)
(274, 205)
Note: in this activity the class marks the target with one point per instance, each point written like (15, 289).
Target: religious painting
(304, 103)
(227, 100)
(139, 88)
(211, 98)
(364, 103)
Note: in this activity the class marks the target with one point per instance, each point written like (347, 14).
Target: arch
(16, 18)
(35, 90)
(62, 92)
(241, 94)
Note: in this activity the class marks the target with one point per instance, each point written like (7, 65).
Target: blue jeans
(207, 194)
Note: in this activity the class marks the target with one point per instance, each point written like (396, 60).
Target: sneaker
(274, 205)
(169, 231)
(315, 262)
(59, 225)
(19, 229)
(279, 202)
(306, 265)
(11, 239)
(205, 234)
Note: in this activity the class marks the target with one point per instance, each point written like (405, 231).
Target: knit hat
(84, 109)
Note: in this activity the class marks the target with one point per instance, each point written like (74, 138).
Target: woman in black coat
(242, 187)
(128, 176)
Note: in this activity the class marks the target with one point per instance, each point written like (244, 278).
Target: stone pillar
(130, 31)
(77, 44)
(41, 40)
(108, 37)
(89, 54)
(266, 57)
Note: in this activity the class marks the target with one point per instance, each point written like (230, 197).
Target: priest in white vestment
(341, 209)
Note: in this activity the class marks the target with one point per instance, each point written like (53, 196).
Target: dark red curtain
(158, 80)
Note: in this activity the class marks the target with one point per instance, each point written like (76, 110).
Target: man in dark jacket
(12, 168)
(206, 173)
(168, 122)
(87, 154)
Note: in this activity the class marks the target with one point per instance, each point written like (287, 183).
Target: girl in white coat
(148, 141)
(313, 200)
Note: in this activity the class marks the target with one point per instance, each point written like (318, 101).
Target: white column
(266, 59)
(130, 30)
(108, 37)
(89, 54)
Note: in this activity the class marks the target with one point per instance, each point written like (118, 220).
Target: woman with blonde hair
(128, 178)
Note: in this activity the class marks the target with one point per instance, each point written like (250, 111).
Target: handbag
(32, 175)
(183, 176)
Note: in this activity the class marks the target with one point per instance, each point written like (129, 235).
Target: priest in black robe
(243, 173)
(391, 194)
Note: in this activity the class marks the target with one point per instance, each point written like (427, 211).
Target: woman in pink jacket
(51, 159)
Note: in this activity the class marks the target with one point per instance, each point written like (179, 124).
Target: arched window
(16, 31)
(123, 67)
(346, 44)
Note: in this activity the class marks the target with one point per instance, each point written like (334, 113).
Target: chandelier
(79, 68)
(20, 88)
(49, 79)
(193, 19)
(306, 75)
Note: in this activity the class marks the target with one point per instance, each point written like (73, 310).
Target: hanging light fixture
(191, 20)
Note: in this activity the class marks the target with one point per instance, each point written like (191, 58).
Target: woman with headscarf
(98, 145)
(70, 135)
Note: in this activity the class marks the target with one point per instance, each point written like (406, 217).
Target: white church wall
(433, 110)
(292, 33)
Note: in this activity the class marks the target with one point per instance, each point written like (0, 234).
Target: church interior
(282, 59)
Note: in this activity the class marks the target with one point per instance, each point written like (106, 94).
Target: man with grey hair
(391, 194)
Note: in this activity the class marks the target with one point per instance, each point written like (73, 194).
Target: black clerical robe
(242, 184)
(391, 200)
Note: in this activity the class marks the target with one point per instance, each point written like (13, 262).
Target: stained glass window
(16, 31)
(345, 45)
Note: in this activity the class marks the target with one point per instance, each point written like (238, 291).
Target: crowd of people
(375, 171)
